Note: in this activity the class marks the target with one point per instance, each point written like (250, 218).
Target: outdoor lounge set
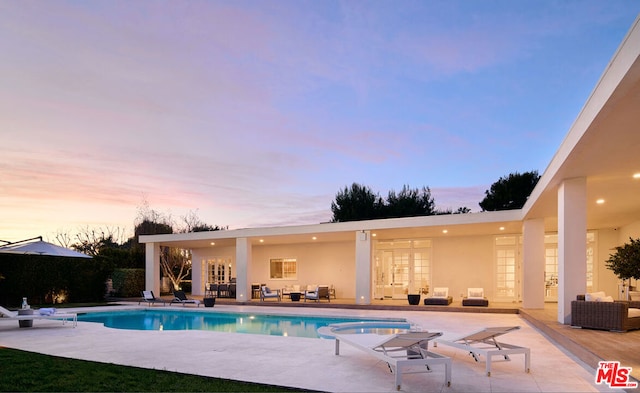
(408, 353)
(597, 311)
(440, 297)
(312, 292)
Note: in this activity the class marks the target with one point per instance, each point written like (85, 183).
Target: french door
(401, 267)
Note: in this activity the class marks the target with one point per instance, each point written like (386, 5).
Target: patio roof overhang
(485, 223)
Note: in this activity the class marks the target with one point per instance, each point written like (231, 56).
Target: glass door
(218, 270)
(507, 268)
(401, 267)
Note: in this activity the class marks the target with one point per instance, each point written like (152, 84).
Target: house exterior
(586, 203)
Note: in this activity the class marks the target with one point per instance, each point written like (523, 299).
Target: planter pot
(25, 323)
(209, 301)
(414, 300)
(295, 296)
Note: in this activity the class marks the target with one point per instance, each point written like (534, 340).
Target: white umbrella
(39, 247)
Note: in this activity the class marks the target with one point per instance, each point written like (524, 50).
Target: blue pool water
(275, 325)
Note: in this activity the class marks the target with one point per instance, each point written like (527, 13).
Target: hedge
(128, 282)
(46, 279)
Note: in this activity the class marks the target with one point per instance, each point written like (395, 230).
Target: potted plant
(625, 262)
(413, 297)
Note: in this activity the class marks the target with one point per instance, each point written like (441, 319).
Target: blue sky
(256, 113)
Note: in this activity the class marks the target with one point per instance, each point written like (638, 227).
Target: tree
(360, 203)
(192, 223)
(460, 210)
(175, 263)
(410, 202)
(625, 262)
(510, 192)
(92, 241)
(356, 203)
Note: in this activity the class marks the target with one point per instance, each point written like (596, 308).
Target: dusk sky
(256, 113)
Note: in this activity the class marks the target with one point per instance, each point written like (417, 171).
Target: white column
(243, 261)
(197, 273)
(572, 244)
(363, 267)
(533, 264)
(152, 268)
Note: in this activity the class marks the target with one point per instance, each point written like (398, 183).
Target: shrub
(128, 282)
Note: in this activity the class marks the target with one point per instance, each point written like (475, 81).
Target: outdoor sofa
(440, 297)
(618, 315)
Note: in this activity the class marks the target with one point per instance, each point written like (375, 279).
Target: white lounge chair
(483, 342)
(401, 352)
(43, 313)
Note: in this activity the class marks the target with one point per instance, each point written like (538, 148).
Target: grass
(32, 372)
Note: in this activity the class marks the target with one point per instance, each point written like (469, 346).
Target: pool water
(269, 324)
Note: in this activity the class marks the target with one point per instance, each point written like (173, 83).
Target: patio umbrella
(37, 246)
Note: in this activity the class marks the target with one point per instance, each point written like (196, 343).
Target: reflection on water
(275, 325)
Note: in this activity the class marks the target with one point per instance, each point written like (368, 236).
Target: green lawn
(30, 372)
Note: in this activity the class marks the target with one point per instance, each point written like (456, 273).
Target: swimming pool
(268, 324)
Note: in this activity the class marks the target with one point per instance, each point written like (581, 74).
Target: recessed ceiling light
(213, 243)
(600, 201)
(636, 175)
(374, 234)
(314, 238)
(502, 228)
(445, 231)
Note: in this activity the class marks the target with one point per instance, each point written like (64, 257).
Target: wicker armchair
(604, 315)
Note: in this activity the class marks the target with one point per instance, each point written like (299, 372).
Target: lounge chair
(181, 297)
(404, 353)
(483, 342)
(43, 313)
(317, 293)
(475, 297)
(440, 297)
(149, 298)
(267, 293)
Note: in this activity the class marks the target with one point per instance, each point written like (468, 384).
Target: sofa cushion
(634, 313)
(475, 293)
(606, 299)
(440, 292)
(594, 296)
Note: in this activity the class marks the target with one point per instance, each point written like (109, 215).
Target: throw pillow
(593, 297)
(440, 292)
(476, 293)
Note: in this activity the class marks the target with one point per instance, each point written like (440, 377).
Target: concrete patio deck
(310, 363)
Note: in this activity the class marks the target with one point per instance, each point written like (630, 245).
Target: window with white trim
(283, 269)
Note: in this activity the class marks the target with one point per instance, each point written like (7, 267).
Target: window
(283, 269)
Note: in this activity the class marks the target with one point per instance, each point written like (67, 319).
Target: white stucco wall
(463, 262)
(605, 280)
(321, 263)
